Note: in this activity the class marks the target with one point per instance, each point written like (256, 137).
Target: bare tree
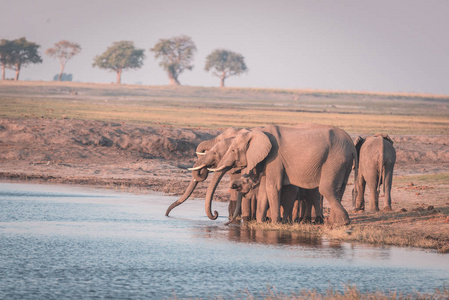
(64, 51)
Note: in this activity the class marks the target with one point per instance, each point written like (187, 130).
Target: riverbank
(144, 159)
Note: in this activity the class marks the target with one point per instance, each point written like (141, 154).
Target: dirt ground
(146, 159)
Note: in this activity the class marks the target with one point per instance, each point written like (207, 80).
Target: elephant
(302, 209)
(296, 203)
(310, 156)
(207, 159)
(377, 157)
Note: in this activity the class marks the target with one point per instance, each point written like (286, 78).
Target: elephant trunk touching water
(210, 194)
(184, 197)
(209, 153)
(308, 156)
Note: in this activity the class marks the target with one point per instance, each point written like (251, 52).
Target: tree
(23, 53)
(119, 57)
(176, 55)
(64, 51)
(225, 63)
(5, 55)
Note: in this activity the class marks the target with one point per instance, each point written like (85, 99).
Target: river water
(66, 242)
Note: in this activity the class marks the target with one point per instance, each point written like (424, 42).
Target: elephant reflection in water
(272, 237)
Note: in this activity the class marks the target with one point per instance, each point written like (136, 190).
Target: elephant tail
(381, 171)
(356, 177)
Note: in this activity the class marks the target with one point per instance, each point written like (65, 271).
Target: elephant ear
(259, 146)
(358, 144)
(384, 136)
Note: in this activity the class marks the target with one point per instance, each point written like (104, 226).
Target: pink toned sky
(383, 46)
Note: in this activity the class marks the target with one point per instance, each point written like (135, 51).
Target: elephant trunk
(237, 209)
(200, 175)
(184, 197)
(210, 194)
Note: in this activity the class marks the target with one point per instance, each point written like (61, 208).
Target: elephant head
(245, 184)
(210, 158)
(205, 160)
(247, 149)
(200, 174)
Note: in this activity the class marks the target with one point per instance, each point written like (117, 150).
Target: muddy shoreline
(146, 159)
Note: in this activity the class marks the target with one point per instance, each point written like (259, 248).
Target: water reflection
(271, 237)
(61, 245)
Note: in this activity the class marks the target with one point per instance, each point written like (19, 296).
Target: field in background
(216, 108)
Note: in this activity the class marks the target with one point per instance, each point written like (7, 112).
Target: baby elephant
(376, 162)
(291, 199)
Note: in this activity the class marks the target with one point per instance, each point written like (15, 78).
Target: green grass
(217, 108)
(442, 178)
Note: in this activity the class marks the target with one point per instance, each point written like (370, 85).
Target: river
(70, 242)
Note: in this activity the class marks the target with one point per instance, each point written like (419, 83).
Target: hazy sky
(379, 45)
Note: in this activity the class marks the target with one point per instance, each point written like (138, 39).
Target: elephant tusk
(196, 168)
(200, 153)
(217, 169)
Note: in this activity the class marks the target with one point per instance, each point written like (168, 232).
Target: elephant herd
(280, 173)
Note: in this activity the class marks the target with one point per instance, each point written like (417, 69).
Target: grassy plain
(217, 108)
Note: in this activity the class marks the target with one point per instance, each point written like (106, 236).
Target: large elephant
(308, 156)
(377, 157)
(207, 159)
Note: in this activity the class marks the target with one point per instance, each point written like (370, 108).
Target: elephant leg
(262, 201)
(288, 197)
(338, 215)
(253, 206)
(302, 209)
(296, 211)
(374, 194)
(246, 208)
(232, 202)
(332, 187)
(274, 195)
(231, 208)
(387, 188)
(308, 208)
(360, 194)
(316, 200)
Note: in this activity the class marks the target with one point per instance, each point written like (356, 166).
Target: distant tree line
(175, 55)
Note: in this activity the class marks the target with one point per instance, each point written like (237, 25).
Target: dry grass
(376, 235)
(356, 112)
(351, 292)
